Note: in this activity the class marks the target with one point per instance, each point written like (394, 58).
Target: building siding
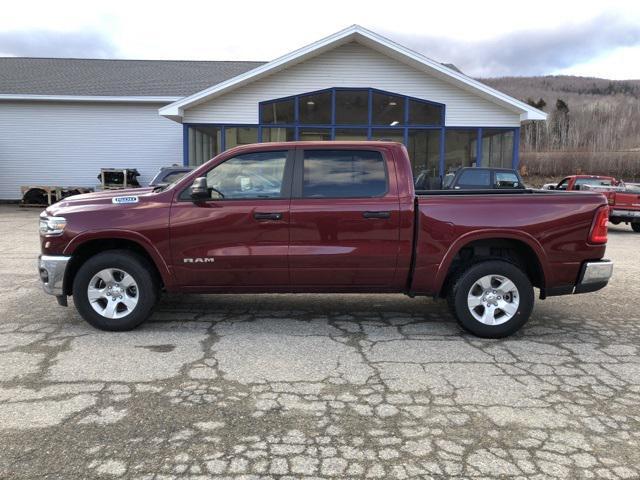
(67, 143)
(353, 65)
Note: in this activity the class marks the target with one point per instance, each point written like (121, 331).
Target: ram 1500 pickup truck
(322, 217)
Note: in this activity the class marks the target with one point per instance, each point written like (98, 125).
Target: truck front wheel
(492, 299)
(115, 290)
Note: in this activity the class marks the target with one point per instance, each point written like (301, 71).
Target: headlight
(52, 225)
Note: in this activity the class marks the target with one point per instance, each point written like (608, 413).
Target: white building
(61, 120)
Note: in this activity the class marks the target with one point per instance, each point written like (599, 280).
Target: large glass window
(253, 175)
(352, 107)
(351, 134)
(235, 136)
(423, 113)
(389, 134)
(424, 151)
(314, 134)
(204, 144)
(280, 134)
(315, 108)
(278, 112)
(343, 174)
(387, 109)
(359, 114)
(497, 147)
(460, 149)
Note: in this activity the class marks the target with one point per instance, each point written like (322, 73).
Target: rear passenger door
(344, 225)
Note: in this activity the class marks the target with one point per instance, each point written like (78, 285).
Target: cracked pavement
(324, 386)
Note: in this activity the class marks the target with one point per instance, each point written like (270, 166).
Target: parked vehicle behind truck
(338, 217)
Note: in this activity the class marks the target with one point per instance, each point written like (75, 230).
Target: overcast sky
(483, 38)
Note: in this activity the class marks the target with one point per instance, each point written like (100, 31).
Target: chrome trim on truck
(52, 269)
(625, 213)
(595, 272)
(594, 276)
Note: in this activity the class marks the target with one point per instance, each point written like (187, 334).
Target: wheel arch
(81, 249)
(522, 250)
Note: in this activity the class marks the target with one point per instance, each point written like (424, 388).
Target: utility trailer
(43, 195)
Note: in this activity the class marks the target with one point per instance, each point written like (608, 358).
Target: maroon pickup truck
(322, 217)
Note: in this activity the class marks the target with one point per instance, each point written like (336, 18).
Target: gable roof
(356, 33)
(112, 78)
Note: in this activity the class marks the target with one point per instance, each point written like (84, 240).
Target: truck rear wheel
(492, 299)
(115, 290)
(636, 227)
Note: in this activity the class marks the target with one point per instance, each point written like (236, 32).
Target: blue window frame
(281, 120)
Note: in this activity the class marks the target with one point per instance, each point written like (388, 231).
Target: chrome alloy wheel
(493, 299)
(113, 293)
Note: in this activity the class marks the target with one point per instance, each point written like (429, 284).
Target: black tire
(464, 281)
(636, 227)
(146, 289)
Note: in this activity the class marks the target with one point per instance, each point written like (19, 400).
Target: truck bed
(554, 225)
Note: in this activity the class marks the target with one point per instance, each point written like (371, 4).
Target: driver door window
(563, 184)
(249, 176)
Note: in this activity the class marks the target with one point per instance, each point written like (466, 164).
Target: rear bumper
(52, 269)
(593, 276)
(625, 215)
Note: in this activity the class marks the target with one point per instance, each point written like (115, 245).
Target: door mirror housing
(199, 190)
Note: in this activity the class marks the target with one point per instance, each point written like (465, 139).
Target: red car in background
(624, 199)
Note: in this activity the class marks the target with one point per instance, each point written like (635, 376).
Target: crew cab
(623, 199)
(338, 217)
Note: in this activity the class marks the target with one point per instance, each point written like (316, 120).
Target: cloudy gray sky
(488, 38)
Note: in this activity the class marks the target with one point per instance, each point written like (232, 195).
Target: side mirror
(199, 190)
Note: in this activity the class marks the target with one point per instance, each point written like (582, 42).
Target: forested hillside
(593, 124)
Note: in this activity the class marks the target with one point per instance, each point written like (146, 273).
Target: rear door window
(343, 174)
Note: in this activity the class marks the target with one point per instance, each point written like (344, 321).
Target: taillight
(612, 198)
(598, 233)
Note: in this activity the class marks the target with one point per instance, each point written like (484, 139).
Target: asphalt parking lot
(316, 385)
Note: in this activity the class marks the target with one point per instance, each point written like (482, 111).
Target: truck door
(344, 219)
(240, 237)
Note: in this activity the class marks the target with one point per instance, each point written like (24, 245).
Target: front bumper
(626, 215)
(594, 276)
(52, 269)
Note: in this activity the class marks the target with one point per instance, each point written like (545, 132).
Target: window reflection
(497, 148)
(343, 174)
(278, 112)
(352, 107)
(422, 113)
(460, 149)
(387, 109)
(204, 144)
(315, 108)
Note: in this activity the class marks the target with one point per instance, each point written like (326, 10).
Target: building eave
(87, 98)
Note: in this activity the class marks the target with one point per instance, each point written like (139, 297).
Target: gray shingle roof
(72, 76)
